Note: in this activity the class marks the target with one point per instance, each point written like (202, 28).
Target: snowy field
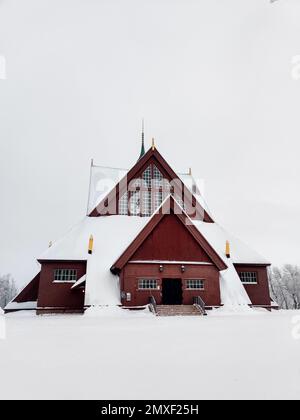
(138, 356)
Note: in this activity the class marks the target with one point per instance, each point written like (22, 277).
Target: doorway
(171, 292)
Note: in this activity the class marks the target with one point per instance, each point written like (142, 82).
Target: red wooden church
(148, 238)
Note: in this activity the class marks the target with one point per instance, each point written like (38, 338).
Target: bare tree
(285, 286)
(8, 289)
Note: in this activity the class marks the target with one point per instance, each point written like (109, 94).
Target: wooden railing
(198, 301)
(152, 304)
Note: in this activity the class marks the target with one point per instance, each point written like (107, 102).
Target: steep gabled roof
(240, 252)
(151, 155)
(170, 206)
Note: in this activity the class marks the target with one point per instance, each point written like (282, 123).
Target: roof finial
(227, 252)
(91, 245)
(143, 140)
(153, 143)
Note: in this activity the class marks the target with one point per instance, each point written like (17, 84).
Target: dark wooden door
(171, 292)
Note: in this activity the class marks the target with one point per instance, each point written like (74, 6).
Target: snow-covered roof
(239, 251)
(112, 235)
(232, 290)
(79, 282)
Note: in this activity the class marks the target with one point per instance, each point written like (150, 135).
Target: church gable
(171, 241)
(144, 189)
(145, 192)
(173, 236)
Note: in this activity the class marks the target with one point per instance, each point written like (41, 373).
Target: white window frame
(147, 177)
(157, 178)
(123, 204)
(249, 274)
(145, 194)
(135, 203)
(65, 275)
(195, 280)
(150, 279)
(146, 203)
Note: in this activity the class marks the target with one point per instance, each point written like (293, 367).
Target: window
(146, 203)
(157, 178)
(65, 275)
(195, 284)
(147, 177)
(158, 198)
(136, 183)
(145, 194)
(248, 277)
(123, 204)
(147, 284)
(167, 186)
(135, 203)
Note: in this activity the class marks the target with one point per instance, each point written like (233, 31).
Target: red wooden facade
(168, 251)
(170, 241)
(59, 296)
(259, 292)
(133, 272)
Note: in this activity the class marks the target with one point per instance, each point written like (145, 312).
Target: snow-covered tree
(8, 289)
(285, 286)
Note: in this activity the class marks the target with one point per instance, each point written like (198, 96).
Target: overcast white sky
(213, 80)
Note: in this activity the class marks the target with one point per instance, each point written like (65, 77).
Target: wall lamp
(161, 268)
(182, 268)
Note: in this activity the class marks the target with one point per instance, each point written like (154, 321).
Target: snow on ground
(111, 354)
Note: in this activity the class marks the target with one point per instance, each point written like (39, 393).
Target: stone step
(178, 310)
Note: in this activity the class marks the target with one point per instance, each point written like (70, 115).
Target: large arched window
(145, 194)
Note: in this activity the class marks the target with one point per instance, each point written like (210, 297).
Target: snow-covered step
(178, 310)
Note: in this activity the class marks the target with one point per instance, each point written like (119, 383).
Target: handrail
(153, 305)
(198, 301)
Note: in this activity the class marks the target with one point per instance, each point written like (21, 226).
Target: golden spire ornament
(227, 249)
(153, 143)
(91, 244)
